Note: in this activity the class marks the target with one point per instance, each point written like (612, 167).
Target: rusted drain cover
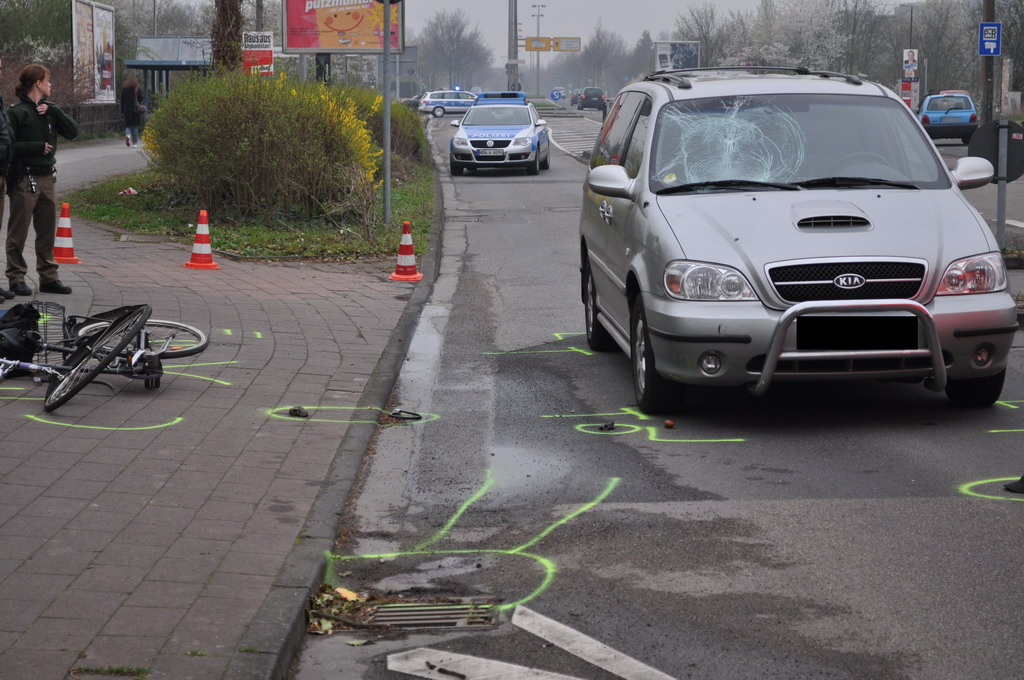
(436, 615)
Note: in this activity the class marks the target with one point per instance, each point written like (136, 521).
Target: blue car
(949, 115)
(446, 101)
(501, 136)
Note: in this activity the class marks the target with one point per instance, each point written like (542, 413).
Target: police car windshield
(498, 115)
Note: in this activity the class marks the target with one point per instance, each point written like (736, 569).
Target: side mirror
(541, 121)
(610, 180)
(455, 123)
(972, 172)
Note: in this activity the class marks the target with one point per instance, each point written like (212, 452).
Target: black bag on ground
(19, 333)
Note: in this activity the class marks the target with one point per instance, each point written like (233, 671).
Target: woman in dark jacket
(131, 102)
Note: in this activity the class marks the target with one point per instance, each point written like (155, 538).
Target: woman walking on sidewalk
(131, 109)
(36, 122)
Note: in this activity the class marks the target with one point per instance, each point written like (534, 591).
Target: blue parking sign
(990, 36)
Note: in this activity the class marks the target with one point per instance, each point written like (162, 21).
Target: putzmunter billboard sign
(341, 26)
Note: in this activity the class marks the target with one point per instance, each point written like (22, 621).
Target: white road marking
(430, 663)
(584, 647)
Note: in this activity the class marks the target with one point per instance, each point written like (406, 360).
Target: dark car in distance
(592, 98)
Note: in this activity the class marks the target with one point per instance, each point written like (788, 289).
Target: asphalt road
(821, 531)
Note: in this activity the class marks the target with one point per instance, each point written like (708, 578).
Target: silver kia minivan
(751, 225)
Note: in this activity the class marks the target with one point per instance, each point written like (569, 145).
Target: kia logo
(849, 281)
(490, 142)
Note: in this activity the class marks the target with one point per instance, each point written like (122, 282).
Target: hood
(493, 131)
(753, 229)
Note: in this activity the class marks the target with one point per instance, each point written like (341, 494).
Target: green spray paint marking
(258, 334)
(1009, 403)
(227, 331)
(547, 566)
(563, 336)
(282, 413)
(559, 337)
(198, 377)
(654, 434)
(100, 427)
(969, 489)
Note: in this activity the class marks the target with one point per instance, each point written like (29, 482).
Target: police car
(501, 136)
(446, 101)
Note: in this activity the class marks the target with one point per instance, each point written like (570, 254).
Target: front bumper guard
(935, 382)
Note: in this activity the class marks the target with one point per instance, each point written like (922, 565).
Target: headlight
(460, 142)
(978, 274)
(703, 281)
(522, 141)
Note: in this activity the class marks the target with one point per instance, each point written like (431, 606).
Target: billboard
(92, 26)
(258, 52)
(676, 54)
(341, 26)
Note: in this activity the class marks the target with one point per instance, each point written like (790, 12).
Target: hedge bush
(258, 147)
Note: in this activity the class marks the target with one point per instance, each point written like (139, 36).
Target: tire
(438, 112)
(546, 163)
(598, 337)
(188, 340)
(654, 394)
(534, 167)
(976, 392)
(93, 356)
(966, 139)
(455, 168)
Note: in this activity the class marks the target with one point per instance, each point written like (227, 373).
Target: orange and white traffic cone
(63, 246)
(202, 253)
(406, 267)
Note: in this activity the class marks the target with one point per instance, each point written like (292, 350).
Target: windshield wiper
(726, 184)
(854, 182)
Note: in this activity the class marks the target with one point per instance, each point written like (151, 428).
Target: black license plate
(856, 332)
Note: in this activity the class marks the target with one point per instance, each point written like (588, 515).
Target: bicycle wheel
(86, 362)
(188, 340)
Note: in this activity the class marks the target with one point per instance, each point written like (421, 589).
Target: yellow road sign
(566, 44)
(538, 44)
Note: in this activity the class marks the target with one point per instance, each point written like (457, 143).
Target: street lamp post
(538, 8)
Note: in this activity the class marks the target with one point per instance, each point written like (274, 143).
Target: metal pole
(1004, 133)
(386, 92)
(988, 14)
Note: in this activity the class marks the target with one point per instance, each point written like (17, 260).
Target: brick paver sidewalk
(178, 529)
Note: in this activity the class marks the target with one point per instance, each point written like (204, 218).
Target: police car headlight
(460, 142)
(705, 281)
(978, 274)
(522, 141)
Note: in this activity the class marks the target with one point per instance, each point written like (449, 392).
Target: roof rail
(678, 76)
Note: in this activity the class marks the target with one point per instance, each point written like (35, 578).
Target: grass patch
(119, 671)
(159, 209)
(249, 649)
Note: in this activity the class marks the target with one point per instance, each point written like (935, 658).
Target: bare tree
(227, 35)
(450, 53)
(703, 25)
(603, 49)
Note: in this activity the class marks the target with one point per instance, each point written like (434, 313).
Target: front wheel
(598, 337)
(654, 394)
(534, 167)
(976, 392)
(546, 163)
(185, 340)
(455, 168)
(438, 111)
(93, 355)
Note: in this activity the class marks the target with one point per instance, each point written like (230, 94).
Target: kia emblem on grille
(490, 142)
(849, 281)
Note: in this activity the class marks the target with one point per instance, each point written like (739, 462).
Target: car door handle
(606, 212)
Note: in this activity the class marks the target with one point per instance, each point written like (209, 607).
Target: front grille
(816, 281)
(482, 143)
(840, 366)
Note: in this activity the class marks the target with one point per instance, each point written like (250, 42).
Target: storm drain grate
(422, 615)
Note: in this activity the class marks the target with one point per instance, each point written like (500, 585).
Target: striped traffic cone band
(405, 270)
(202, 253)
(63, 246)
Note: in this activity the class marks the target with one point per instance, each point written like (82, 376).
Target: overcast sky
(564, 18)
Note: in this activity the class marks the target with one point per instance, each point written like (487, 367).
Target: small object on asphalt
(669, 424)
(1016, 487)
(298, 412)
(607, 427)
(405, 415)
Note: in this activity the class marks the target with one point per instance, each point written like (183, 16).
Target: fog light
(983, 356)
(710, 363)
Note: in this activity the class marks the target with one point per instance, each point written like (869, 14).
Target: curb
(279, 627)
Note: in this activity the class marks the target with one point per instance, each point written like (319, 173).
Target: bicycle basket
(51, 329)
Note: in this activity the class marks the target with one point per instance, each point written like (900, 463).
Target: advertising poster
(676, 55)
(258, 52)
(103, 35)
(341, 26)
